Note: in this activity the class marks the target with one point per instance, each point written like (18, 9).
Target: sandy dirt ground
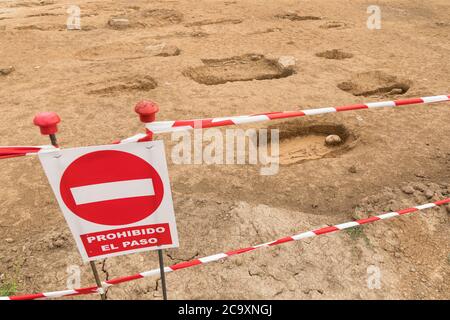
(216, 58)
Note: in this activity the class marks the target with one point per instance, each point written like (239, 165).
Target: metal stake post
(97, 280)
(147, 112)
(163, 274)
(48, 124)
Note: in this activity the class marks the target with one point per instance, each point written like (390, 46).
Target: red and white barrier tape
(219, 256)
(140, 137)
(9, 152)
(181, 125)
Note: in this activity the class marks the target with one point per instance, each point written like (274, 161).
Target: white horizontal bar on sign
(113, 190)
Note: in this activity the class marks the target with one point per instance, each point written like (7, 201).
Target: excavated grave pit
(375, 83)
(300, 142)
(239, 68)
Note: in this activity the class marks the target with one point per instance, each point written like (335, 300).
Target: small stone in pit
(333, 140)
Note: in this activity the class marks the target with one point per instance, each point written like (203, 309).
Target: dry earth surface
(219, 58)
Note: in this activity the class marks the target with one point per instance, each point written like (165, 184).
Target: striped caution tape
(183, 125)
(220, 256)
(9, 152)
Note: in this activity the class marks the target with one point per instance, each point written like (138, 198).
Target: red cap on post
(147, 110)
(47, 122)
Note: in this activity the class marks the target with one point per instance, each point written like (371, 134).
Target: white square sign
(116, 199)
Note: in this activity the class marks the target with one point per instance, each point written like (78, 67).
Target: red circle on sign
(108, 166)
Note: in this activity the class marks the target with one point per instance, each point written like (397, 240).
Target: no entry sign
(111, 187)
(115, 198)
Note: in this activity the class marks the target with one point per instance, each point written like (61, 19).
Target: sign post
(147, 113)
(48, 124)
